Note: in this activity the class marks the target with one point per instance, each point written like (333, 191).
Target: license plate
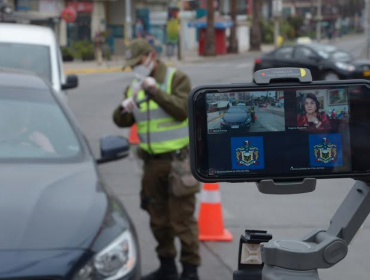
(235, 126)
(367, 73)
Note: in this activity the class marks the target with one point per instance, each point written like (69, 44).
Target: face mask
(143, 70)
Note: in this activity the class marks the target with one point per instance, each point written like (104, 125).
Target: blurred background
(82, 25)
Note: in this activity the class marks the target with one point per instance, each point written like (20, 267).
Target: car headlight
(114, 262)
(345, 66)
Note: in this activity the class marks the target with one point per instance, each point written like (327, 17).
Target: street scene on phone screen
(245, 112)
(94, 132)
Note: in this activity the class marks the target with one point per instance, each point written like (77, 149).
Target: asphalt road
(243, 205)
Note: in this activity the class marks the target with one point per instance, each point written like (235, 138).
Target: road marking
(215, 118)
(268, 126)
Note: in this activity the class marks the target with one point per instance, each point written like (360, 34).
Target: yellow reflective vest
(158, 131)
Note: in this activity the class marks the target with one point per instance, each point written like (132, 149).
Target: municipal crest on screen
(325, 151)
(247, 154)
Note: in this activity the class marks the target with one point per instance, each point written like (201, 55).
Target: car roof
(26, 34)
(20, 79)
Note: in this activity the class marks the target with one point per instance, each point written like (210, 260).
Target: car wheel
(330, 76)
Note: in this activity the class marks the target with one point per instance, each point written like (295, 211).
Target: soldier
(163, 132)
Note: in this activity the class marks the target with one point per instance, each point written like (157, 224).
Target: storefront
(80, 29)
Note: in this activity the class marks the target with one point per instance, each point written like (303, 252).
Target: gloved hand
(150, 85)
(129, 104)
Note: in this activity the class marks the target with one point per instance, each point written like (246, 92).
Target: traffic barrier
(210, 221)
(133, 136)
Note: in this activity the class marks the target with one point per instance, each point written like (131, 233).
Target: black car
(58, 218)
(325, 62)
(236, 117)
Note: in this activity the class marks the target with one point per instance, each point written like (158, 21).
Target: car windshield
(236, 110)
(332, 53)
(28, 57)
(34, 127)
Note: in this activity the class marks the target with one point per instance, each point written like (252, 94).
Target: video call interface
(281, 132)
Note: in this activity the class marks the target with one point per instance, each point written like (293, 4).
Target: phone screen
(293, 131)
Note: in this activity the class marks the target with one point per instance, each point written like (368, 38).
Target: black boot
(166, 271)
(190, 272)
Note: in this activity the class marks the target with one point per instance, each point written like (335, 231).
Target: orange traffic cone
(211, 225)
(133, 137)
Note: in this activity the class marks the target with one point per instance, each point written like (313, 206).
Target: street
(243, 206)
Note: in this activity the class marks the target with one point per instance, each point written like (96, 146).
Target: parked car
(58, 220)
(34, 48)
(324, 61)
(236, 117)
(263, 105)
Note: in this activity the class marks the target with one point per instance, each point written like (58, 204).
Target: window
(33, 127)
(304, 53)
(27, 57)
(284, 53)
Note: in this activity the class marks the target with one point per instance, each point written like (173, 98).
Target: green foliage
(83, 50)
(287, 30)
(67, 53)
(296, 22)
(267, 32)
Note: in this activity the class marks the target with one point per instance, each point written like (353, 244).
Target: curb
(102, 70)
(94, 70)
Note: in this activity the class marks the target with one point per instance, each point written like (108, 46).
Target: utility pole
(255, 36)
(210, 49)
(128, 22)
(277, 8)
(318, 18)
(233, 38)
(181, 31)
(367, 27)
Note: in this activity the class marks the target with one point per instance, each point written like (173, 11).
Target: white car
(34, 49)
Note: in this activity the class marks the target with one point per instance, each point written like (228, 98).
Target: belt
(168, 155)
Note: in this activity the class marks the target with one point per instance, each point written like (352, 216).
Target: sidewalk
(117, 62)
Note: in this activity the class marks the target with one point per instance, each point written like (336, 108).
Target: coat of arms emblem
(325, 151)
(247, 155)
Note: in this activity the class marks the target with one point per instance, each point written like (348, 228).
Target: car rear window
(284, 53)
(34, 127)
(236, 109)
(27, 57)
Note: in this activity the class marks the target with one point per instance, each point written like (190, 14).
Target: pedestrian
(168, 189)
(98, 44)
(139, 29)
(253, 113)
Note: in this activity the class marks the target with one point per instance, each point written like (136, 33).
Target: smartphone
(281, 131)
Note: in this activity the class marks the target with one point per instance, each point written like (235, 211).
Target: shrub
(67, 53)
(83, 50)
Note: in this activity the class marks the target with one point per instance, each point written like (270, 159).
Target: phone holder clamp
(300, 259)
(273, 75)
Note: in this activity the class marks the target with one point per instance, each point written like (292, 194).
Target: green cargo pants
(170, 216)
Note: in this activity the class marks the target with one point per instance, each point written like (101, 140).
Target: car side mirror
(113, 148)
(71, 82)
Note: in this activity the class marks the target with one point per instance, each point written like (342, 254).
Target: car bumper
(358, 74)
(48, 264)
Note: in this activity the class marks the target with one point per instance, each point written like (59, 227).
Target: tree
(210, 45)
(233, 40)
(255, 38)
